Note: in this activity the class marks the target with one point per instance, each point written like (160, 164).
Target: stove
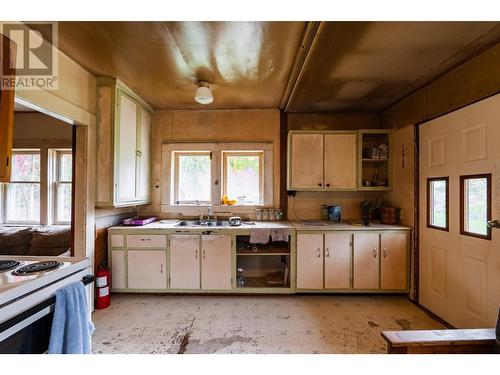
(8, 264)
(36, 267)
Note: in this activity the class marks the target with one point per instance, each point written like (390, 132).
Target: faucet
(210, 212)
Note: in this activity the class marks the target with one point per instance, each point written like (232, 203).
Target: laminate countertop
(325, 225)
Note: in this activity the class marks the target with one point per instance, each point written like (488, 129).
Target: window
(438, 203)
(475, 205)
(242, 176)
(192, 177)
(63, 174)
(22, 194)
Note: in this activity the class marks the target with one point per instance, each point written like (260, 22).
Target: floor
(252, 324)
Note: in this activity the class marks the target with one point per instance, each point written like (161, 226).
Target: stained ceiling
(298, 66)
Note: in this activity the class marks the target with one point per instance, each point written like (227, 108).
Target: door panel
(146, 240)
(146, 269)
(338, 260)
(341, 161)
(126, 153)
(185, 262)
(366, 260)
(118, 269)
(306, 161)
(143, 167)
(459, 276)
(216, 262)
(393, 261)
(310, 261)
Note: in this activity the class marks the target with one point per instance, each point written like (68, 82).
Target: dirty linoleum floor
(252, 324)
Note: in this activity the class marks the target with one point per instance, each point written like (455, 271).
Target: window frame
(56, 182)
(430, 180)
(463, 178)
(175, 180)
(260, 153)
(5, 220)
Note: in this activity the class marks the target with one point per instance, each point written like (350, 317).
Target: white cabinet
(310, 261)
(322, 160)
(185, 262)
(147, 269)
(118, 269)
(338, 260)
(366, 261)
(393, 261)
(123, 146)
(216, 262)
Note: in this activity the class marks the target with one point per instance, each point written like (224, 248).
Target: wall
(212, 126)
(39, 128)
(307, 205)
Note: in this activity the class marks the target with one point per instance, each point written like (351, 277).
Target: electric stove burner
(6, 265)
(32, 268)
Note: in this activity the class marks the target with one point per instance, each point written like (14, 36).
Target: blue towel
(71, 325)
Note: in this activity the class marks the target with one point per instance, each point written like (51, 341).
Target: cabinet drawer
(151, 240)
(117, 240)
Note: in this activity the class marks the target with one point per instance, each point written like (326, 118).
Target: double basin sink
(203, 223)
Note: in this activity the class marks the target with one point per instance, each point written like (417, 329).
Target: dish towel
(280, 234)
(260, 235)
(71, 325)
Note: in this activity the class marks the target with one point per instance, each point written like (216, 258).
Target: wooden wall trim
(283, 203)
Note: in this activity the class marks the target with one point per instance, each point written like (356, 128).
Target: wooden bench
(445, 341)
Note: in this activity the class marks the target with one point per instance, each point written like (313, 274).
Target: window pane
(476, 201)
(63, 203)
(438, 203)
(25, 167)
(65, 166)
(23, 202)
(243, 179)
(194, 178)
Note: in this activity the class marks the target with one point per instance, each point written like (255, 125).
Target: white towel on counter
(260, 235)
(281, 234)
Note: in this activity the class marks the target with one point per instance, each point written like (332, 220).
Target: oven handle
(88, 279)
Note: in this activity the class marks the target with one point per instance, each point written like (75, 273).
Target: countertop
(309, 225)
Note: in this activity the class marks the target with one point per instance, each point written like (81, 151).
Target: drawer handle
(385, 252)
(145, 239)
(374, 253)
(203, 254)
(196, 254)
(161, 269)
(319, 252)
(327, 253)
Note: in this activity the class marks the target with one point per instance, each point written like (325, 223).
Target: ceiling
(298, 66)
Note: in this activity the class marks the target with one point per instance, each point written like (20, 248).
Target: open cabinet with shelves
(375, 161)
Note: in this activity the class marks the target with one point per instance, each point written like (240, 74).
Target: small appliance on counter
(334, 213)
(139, 220)
(235, 221)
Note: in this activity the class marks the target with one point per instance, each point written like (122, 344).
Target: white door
(143, 156)
(310, 261)
(216, 262)
(459, 273)
(306, 161)
(126, 149)
(147, 269)
(366, 260)
(118, 269)
(185, 262)
(393, 261)
(341, 161)
(338, 260)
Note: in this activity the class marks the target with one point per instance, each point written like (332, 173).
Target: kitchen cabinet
(393, 261)
(147, 269)
(338, 260)
(375, 160)
(323, 161)
(8, 53)
(366, 261)
(216, 262)
(185, 262)
(123, 146)
(310, 261)
(118, 269)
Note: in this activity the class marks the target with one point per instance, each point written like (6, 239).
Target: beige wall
(212, 126)
(37, 127)
(307, 205)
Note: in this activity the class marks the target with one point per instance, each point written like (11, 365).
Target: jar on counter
(278, 214)
(265, 214)
(258, 214)
(271, 214)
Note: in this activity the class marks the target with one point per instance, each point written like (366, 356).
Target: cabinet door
(143, 155)
(366, 260)
(310, 261)
(216, 262)
(338, 260)
(341, 161)
(185, 262)
(118, 269)
(393, 261)
(146, 269)
(125, 156)
(306, 161)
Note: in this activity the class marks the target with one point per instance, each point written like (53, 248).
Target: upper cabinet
(123, 146)
(375, 160)
(322, 160)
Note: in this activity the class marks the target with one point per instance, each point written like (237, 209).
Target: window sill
(224, 210)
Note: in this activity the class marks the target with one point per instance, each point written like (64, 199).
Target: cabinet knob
(319, 252)
(385, 252)
(327, 185)
(161, 269)
(203, 253)
(374, 253)
(138, 153)
(327, 252)
(320, 184)
(196, 254)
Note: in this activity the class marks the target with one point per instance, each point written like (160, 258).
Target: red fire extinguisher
(102, 288)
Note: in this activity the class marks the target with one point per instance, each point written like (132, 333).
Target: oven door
(29, 331)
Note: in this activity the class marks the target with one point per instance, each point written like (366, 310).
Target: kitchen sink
(204, 223)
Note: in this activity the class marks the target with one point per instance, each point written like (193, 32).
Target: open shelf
(374, 172)
(374, 160)
(260, 282)
(259, 253)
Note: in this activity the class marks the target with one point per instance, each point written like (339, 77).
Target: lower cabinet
(200, 262)
(310, 261)
(147, 269)
(366, 261)
(393, 261)
(338, 260)
(118, 269)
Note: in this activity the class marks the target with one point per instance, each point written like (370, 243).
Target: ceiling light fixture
(203, 93)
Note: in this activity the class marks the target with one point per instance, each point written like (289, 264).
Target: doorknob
(493, 224)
